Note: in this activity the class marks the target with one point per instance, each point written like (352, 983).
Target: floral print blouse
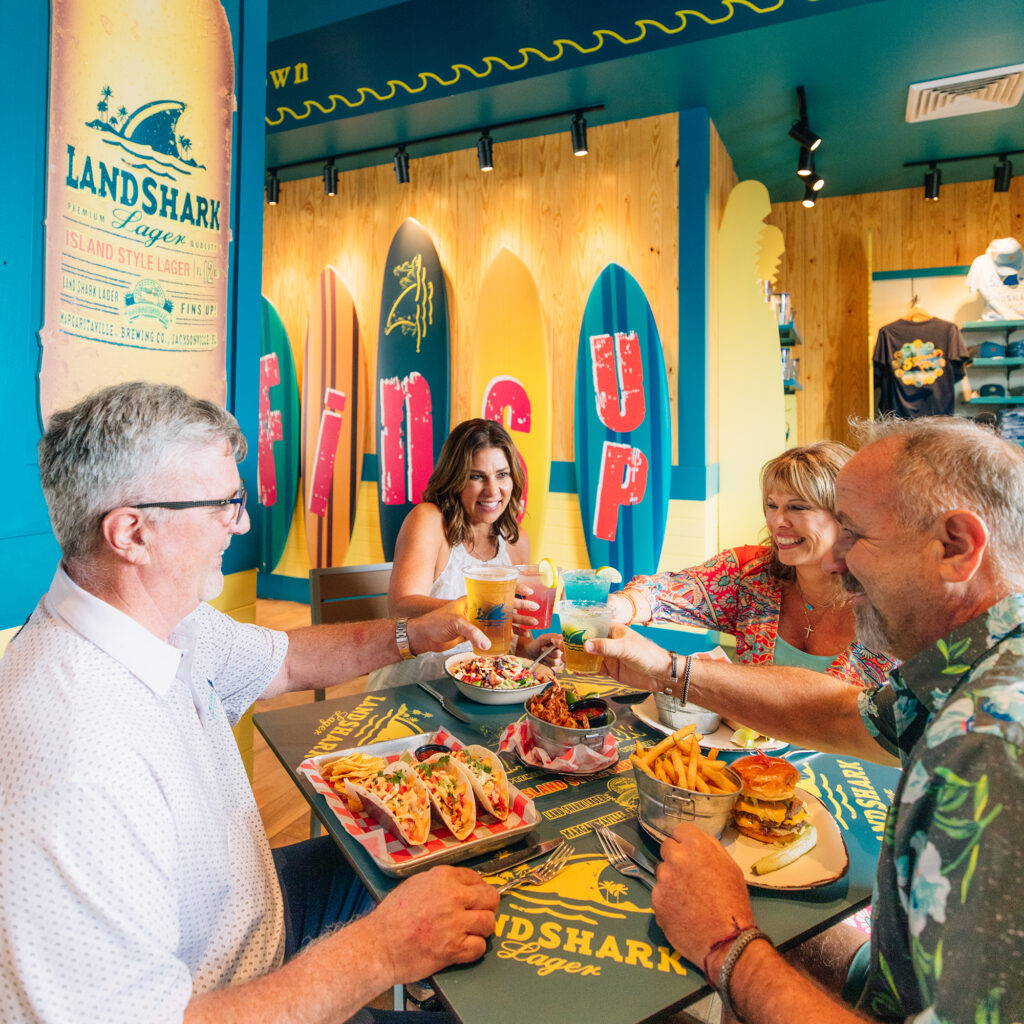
(734, 593)
(947, 940)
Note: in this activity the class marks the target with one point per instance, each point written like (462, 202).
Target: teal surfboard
(413, 376)
(623, 436)
(277, 463)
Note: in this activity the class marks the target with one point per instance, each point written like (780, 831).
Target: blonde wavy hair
(809, 472)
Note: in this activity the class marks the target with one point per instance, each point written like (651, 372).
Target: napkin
(580, 760)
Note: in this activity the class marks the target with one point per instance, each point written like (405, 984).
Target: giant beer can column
(138, 184)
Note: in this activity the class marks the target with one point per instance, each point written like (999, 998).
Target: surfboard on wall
(623, 441)
(334, 390)
(511, 377)
(413, 376)
(277, 463)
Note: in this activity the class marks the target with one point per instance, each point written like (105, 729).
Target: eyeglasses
(238, 499)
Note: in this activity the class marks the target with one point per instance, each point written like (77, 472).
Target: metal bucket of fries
(675, 714)
(677, 783)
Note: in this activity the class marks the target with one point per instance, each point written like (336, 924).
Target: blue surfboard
(623, 436)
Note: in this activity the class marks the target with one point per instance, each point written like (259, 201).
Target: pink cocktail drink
(544, 596)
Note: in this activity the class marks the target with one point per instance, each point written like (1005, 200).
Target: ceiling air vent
(973, 93)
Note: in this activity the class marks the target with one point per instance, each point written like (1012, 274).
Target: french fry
(659, 748)
(713, 754)
(691, 774)
(701, 786)
(678, 763)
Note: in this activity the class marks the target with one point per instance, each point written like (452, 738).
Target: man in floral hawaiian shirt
(932, 516)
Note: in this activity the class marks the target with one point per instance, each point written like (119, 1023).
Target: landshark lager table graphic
(137, 227)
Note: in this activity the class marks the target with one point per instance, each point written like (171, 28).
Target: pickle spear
(806, 840)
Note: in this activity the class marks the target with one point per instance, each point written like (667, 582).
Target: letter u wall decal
(623, 440)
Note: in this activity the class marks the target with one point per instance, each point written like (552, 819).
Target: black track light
(815, 182)
(801, 132)
(805, 167)
(1002, 175)
(401, 166)
(578, 130)
(810, 196)
(273, 189)
(330, 179)
(932, 182)
(485, 152)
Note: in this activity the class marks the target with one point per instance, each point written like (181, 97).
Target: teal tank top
(787, 654)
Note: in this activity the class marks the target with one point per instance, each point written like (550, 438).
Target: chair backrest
(349, 593)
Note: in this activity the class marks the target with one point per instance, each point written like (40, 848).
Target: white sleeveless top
(449, 585)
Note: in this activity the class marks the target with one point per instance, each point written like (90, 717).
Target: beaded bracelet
(740, 942)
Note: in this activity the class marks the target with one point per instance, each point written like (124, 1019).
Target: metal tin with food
(545, 714)
(675, 714)
(663, 806)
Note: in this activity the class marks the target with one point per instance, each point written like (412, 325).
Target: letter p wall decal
(623, 435)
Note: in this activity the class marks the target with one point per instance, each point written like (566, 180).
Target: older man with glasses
(136, 881)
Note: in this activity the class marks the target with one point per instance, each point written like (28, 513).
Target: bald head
(940, 463)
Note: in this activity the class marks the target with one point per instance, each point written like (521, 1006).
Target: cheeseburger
(768, 808)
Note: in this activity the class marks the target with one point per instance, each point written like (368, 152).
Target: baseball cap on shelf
(991, 350)
(992, 391)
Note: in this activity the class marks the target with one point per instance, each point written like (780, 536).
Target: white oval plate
(721, 738)
(486, 694)
(826, 863)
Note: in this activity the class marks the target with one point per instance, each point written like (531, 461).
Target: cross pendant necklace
(808, 608)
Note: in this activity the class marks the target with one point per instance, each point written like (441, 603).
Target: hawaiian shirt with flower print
(947, 939)
(734, 593)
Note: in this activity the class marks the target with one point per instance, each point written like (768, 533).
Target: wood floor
(284, 811)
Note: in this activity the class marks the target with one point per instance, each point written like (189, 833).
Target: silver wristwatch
(402, 639)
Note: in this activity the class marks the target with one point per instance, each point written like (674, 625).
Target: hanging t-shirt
(917, 365)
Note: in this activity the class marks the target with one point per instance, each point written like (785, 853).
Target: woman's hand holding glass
(632, 659)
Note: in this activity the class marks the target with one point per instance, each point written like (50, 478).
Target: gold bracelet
(632, 603)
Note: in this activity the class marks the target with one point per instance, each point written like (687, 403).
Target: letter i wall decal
(277, 463)
(623, 439)
(332, 421)
(413, 376)
(511, 378)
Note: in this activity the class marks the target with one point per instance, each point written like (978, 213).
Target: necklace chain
(808, 608)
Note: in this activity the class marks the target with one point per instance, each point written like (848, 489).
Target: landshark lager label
(138, 183)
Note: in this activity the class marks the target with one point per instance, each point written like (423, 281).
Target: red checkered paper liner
(580, 760)
(385, 847)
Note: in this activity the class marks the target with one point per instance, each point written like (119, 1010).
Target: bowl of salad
(497, 679)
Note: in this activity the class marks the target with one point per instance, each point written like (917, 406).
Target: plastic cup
(544, 596)
(491, 598)
(584, 585)
(581, 621)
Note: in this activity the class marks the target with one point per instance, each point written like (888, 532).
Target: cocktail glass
(585, 585)
(581, 621)
(544, 596)
(491, 598)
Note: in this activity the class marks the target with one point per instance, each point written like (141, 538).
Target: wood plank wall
(566, 217)
(827, 269)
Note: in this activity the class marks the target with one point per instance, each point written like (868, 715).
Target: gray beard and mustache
(871, 629)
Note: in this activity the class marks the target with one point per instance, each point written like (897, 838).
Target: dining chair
(346, 593)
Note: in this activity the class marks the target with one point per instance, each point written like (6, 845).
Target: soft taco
(397, 798)
(487, 774)
(451, 793)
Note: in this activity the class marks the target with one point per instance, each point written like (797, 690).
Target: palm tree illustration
(184, 144)
(613, 891)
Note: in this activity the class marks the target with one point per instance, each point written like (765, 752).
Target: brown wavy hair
(809, 472)
(451, 475)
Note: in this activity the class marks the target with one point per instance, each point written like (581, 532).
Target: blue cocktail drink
(585, 585)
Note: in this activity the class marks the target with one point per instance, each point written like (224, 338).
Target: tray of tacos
(409, 814)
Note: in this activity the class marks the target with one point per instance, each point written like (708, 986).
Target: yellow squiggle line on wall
(490, 63)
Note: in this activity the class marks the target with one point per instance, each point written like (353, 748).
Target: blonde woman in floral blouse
(775, 598)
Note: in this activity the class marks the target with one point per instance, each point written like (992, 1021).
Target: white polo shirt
(134, 868)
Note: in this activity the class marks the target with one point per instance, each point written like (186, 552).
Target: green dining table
(584, 946)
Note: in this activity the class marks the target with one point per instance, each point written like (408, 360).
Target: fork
(619, 860)
(544, 873)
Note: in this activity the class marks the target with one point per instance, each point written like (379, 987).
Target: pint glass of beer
(491, 599)
(581, 621)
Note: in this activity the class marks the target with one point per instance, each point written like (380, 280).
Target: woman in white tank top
(468, 517)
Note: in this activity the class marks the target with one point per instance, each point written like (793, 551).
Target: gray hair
(114, 446)
(949, 462)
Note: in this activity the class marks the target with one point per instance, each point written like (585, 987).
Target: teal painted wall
(28, 552)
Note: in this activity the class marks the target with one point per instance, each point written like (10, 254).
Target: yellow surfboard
(511, 377)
